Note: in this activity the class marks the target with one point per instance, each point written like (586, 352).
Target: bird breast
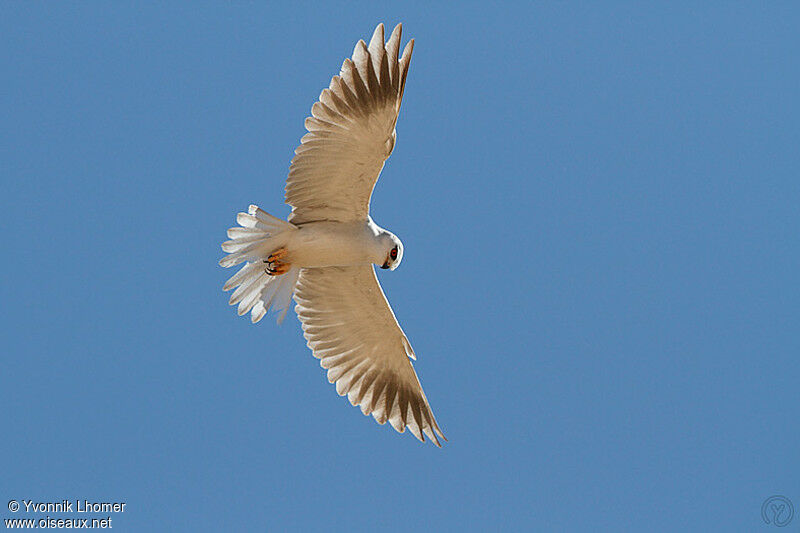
(321, 244)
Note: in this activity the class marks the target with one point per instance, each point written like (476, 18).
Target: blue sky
(599, 207)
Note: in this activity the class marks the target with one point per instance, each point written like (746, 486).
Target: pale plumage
(324, 254)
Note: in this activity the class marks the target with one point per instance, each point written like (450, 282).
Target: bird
(324, 255)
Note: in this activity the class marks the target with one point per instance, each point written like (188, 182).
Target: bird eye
(393, 253)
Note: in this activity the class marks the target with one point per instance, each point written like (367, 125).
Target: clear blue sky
(600, 208)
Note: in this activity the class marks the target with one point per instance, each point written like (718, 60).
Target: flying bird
(323, 255)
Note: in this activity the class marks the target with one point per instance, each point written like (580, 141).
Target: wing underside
(352, 330)
(351, 133)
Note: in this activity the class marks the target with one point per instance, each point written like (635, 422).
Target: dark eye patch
(393, 253)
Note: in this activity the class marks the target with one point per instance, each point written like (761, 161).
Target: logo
(777, 510)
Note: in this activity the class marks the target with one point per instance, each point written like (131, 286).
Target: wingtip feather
(377, 38)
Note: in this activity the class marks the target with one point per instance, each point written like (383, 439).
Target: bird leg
(275, 265)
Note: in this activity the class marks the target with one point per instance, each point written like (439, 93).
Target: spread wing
(350, 327)
(350, 134)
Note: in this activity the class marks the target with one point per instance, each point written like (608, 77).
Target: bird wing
(351, 328)
(351, 132)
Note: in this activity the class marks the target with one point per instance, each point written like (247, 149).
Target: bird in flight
(323, 256)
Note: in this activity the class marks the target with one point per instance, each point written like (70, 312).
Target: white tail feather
(239, 233)
(237, 278)
(256, 292)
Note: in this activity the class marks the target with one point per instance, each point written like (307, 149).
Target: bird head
(394, 251)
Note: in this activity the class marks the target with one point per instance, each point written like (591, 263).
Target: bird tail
(260, 234)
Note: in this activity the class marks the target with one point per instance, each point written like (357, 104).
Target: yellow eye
(393, 253)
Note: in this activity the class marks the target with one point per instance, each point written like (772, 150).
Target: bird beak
(385, 265)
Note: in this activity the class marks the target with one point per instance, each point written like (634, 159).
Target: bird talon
(276, 267)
